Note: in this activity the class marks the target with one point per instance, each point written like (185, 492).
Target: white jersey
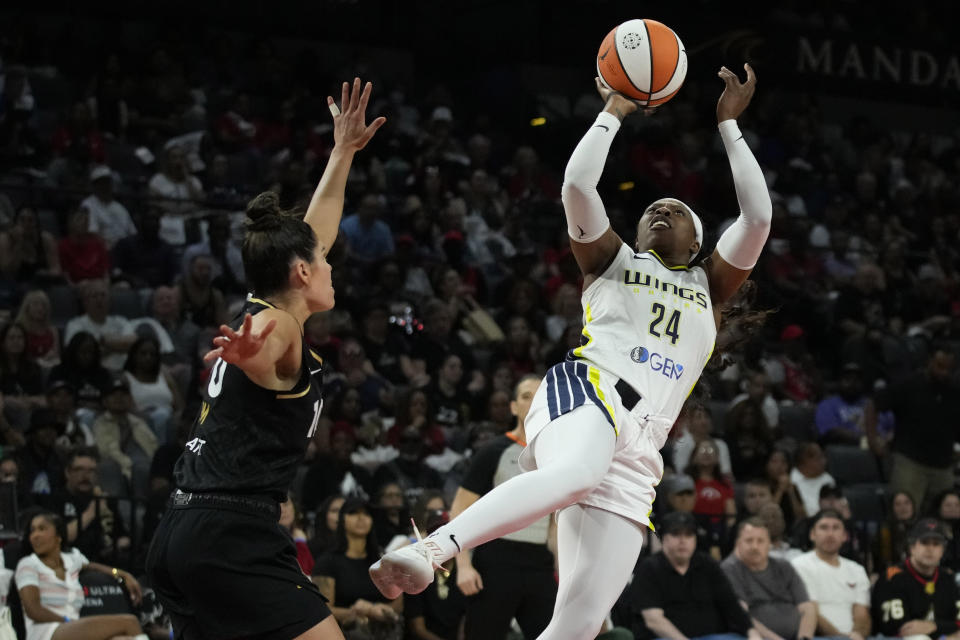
(650, 325)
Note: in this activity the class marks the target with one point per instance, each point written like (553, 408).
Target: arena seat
(796, 421)
(852, 465)
(867, 501)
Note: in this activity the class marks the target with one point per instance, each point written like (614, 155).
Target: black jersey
(248, 439)
(902, 595)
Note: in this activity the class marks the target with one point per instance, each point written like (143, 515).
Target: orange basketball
(644, 60)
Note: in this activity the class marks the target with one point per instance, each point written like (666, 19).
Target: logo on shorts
(660, 363)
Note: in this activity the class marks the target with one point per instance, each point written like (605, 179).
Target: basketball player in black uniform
(220, 563)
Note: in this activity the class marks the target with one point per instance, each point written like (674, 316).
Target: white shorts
(628, 488)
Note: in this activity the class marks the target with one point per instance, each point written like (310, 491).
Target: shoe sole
(393, 578)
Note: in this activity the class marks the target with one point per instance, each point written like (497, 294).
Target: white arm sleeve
(586, 218)
(741, 244)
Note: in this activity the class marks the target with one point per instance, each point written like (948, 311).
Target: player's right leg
(573, 452)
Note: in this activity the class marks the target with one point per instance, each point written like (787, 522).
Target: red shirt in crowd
(84, 258)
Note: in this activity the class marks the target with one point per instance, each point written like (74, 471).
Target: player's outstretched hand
(736, 95)
(349, 120)
(616, 103)
(237, 346)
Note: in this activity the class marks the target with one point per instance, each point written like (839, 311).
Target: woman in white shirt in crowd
(49, 584)
(155, 394)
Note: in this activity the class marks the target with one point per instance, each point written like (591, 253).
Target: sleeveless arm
(593, 242)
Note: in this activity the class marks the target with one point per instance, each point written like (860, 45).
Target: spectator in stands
(715, 506)
(749, 437)
(697, 428)
(81, 369)
(780, 547)
(369, 238)
(183, 333)
(114, 333)
(145, 259)
(201, 302)
(890, 545)
(292, 521)
(21, 379)
(62, 400)
(108, 218)
(498, 410)
(408, 469)
(692, 597)
(794, 373)
(810, 475)
(94, 524)
(413, 410)
(342, 576)
(51, 593)
(922, 447)
(438, 339)
(756, 494)
(768, 588)
(156, 396)
(391, 516)
(176, 192)
(43, 339)
(437, 612)
(83, 255)
(125, 438)
(359, 374)
(40, 467)
(947, 509)
(334, 473)
(839, 417)
(386, 349)
(228, 275)
(757, 389)
(27, 252)
(777, 472)
(448, 396)
(324, 536)
(839, 587)
(916, 597)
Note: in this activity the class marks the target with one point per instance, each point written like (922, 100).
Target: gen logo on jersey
(664, 365)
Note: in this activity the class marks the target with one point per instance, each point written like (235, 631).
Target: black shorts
(226, 572)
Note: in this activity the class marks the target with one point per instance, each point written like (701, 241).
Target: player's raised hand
(237, 346)
(349, 120)
(616, 103)
(736, 95)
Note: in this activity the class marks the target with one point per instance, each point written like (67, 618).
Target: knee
(580, 478)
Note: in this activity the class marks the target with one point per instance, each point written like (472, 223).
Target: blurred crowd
(124, 172)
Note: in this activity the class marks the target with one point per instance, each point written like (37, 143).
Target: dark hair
(759, 482)
(23, 360)
(371, 547)
(58, 524)
(739, 323)
(420, 506)
(523, 378)
(76, 342)
(753, 521)
(273, 239)
(826, 513)
(893, 498)
(132, 351)
(830, 491)
(81, 452)
(404, 403)
(938, 501)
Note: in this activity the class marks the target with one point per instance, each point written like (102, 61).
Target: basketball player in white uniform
(598, 420)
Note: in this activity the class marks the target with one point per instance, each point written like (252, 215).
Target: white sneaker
(406, 570)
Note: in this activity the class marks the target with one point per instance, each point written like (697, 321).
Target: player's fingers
(751, 76)
(479, 584)
(268, 329)
(376, 124)
(345, 96)
(332, 105)
(227, 332)
(355, 94)
(365, 97)
(212, 355)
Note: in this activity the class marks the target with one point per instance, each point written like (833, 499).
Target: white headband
(697, 224)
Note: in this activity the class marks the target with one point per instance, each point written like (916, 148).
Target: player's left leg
(597, 551)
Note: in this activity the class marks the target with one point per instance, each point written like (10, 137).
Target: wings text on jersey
(633, 278)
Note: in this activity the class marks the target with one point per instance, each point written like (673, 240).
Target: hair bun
(263, 212)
